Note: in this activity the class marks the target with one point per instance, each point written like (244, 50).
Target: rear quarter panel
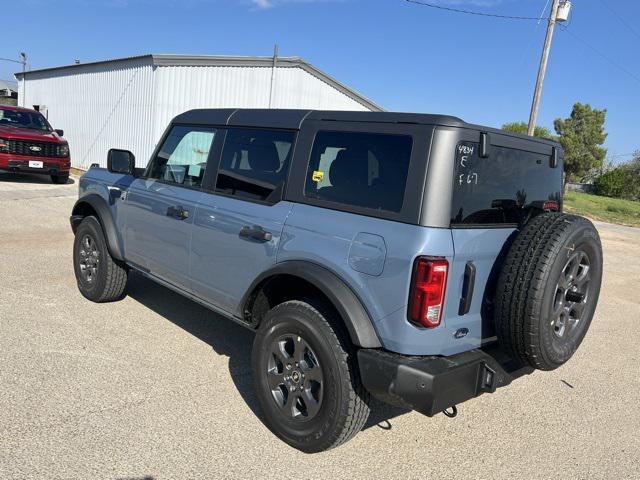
(345, 244)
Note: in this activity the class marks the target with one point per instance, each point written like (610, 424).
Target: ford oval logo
(35, 148)
(461, 332)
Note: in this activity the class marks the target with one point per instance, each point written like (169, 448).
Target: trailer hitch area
(451, 412)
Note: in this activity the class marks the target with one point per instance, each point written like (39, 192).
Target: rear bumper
(432, 384)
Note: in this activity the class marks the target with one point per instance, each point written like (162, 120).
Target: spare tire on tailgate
(548, 289)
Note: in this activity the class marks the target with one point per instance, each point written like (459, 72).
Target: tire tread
(521, 285)
(115, 280)
(356, 413)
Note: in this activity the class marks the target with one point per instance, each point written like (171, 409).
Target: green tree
(621, 181)
(632, 177)
(582, 136)
(522, 127)
(611, 183)
(634, 164)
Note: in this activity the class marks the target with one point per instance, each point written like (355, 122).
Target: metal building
(128, 102)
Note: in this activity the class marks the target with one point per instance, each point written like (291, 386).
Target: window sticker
(317, 176)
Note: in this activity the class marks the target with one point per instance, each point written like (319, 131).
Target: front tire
(100, 277)
(306, 377)
(60, 179)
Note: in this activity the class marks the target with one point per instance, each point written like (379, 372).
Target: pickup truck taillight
(428, 284)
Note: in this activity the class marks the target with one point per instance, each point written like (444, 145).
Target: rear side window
(254, 164)
(359, 169)
(502, 188)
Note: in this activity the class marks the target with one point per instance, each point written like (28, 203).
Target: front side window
(183, 157)
(359, 169)
(31, 120)
(255, 163)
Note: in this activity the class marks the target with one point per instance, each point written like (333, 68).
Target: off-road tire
(60, 179)
(535, 280)
(344, 408)
(110, 278)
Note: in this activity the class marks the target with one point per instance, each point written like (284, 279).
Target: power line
(611, 61)
(619, 17)
(11, 60)
(469, 12)
(526, 51)
(544, 9)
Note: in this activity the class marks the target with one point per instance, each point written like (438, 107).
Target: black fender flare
(351, 309)
(105, 217)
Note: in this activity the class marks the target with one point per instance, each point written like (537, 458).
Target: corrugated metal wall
(181, 88)
(99, 107)
(128, 104)
(298, 86)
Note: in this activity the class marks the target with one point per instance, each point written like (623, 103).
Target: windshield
(33, 120)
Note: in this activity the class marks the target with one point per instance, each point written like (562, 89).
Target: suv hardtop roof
(17, 108)
(293, 119)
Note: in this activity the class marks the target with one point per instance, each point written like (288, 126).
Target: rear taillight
(428, 284)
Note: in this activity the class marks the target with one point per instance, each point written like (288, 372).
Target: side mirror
(121, 161)
(59, 132)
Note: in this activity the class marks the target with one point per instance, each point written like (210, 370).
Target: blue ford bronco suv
(415, 258)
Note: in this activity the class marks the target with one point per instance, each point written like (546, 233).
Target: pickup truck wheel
(60, 179)
(100, 277)
(548, 289)
(306, 377)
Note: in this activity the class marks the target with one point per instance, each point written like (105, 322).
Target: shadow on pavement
(226, 338)
(11, 177)
(146, 477)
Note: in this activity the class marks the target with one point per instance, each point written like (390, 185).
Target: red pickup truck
(29, 144)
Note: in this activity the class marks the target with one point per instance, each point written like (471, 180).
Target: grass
(612, 210)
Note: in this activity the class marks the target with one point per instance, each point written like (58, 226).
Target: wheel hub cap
(295, 377)
(571, 295)
(89, 258)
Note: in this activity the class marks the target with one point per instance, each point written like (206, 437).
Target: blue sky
(403, 56)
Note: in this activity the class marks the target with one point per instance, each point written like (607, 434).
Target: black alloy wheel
(295, 377)
(306, 376)
(100, 277)
(89, 260)
(571, 297)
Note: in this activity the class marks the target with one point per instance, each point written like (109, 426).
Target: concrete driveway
(156, 387)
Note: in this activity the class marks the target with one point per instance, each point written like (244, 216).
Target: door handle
(467, 288)
(256, 233)
(178, 212)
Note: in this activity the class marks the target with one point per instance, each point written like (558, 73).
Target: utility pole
(23, 62)
(273, 75)
(543, 68)
(24, 80)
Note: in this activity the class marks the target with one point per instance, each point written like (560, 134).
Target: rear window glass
(502, 188)
(359, 169)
